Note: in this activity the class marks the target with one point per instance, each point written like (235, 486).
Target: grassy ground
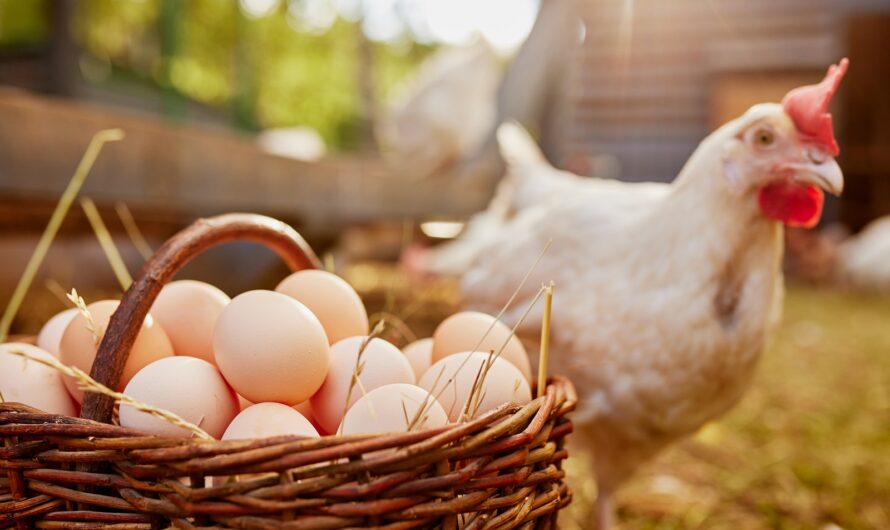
(808, 447)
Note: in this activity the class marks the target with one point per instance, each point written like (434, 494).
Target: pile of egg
(280, 362)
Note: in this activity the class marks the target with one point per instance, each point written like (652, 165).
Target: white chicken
(299, 143)
(444, 111)
(664, 292)
(863, 261)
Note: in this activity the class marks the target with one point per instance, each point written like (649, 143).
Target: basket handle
(127, 320)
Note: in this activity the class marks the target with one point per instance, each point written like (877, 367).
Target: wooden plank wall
(191, 170)
(643, 85)
(865, 128)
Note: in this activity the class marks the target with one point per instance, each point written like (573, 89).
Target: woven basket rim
(503, 467)
(499, 470)
(10, 410)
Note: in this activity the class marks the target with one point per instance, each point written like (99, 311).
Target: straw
(421, 414)
(107, 243)
(397, 324)
(359, 366)
(133, 231)
(478, 381)
(544, 356)
(497, 319)
(477, 385)
(509, 303)
(88, 384)
(58, 291)
(328, 262)
(81, 306)
(55, 221)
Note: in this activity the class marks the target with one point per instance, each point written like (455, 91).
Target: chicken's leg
(603, 510)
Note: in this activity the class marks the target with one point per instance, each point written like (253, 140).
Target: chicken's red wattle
(798, 205)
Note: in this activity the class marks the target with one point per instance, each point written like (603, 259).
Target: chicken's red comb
(808, 108)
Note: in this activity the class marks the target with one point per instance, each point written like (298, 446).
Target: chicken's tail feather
(530, 179)
(523, 158)
(517, 146)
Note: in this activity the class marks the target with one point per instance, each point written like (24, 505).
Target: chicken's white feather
(664, 292)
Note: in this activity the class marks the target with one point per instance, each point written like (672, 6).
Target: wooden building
(651, 78)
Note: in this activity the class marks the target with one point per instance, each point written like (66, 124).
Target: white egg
(268, 419)
(28, 382)
(187, 386)
(456, 375)
(264, 420)
(381, 364)
(394, 408)
(51, 334)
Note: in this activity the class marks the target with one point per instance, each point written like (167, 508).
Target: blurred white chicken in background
(299, 143)
(831, 256)
(443, 111)
(665, 292)
(863, 260)
(532, 184)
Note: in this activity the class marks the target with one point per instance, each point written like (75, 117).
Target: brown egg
(270, 347)
(420, 355)
(243, 403)
(31, 383)
(187, 310)
(305, 408)
(78, 347)
(191, 388)
(334, 302)
(463, 332)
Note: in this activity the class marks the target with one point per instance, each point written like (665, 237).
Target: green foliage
(266, 72)
(120, 31)
(23, 23)
(202, 57)
(305, 79)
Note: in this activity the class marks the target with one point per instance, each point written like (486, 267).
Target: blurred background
(369, 125)
(354, 117)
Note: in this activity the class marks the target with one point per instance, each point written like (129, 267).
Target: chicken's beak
(819, 170)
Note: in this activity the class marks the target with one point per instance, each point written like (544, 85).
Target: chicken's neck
(711, 268)
(723, 223)
(732, 252)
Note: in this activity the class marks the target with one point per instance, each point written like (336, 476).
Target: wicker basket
(501, 470)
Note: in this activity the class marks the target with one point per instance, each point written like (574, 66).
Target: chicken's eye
(764, 138)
